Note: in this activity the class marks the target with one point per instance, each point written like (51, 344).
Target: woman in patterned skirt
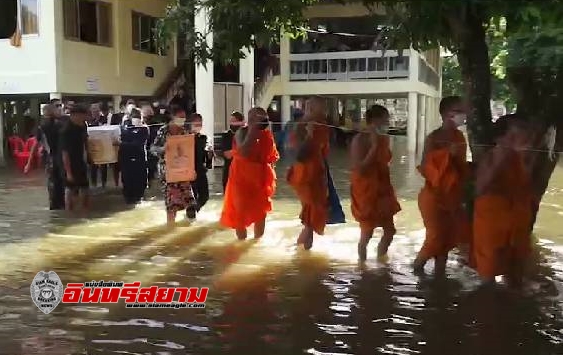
(178, 196)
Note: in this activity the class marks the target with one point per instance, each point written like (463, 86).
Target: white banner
(102, 144)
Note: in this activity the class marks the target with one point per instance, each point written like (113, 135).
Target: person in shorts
(74, 136)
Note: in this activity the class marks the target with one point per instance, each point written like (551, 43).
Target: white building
(351, 78)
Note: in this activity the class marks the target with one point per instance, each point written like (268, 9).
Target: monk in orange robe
(252, 179)
(308, 175)
(445, 170)
(374, 202)
(503, 212)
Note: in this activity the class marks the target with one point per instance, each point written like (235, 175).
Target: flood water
(265, 297)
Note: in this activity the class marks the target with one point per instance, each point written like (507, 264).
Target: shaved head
(315, 108)
(256, 114)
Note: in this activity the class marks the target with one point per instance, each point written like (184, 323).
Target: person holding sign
(252, 179)
(172, 145)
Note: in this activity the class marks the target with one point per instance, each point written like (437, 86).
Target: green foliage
(235, 25)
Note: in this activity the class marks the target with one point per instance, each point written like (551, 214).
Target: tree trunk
(537, 91)
(473, 57)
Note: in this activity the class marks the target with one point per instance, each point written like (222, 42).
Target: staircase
(267, 86)
(174, 81)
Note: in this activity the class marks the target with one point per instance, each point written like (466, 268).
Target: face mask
(129, 108)
(234, 128)
(196, 129)
(383, 129)
(136, 121)
(265, 124)
(179, 121)
(459, 119)
(162, 111)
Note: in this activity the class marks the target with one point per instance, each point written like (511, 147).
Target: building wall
(30, 69)
(116, 70)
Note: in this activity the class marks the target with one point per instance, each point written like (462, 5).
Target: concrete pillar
(116, 99)
(285, 109)
(412, 121)
(284, 59)
(421, 125)
(204, 79)
(2, 138)
(55, 95)
(246, 78)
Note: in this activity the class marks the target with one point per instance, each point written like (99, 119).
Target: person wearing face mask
(203, 162)
(374, 202)
(236, 122)
(178, 196)
(252, 180)
(501, 241)
(308, 176)
(445, 170)
(133, 158)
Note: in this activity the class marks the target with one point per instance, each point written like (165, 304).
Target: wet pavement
(266, 297)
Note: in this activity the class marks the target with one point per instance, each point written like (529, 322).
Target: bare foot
(362, 251)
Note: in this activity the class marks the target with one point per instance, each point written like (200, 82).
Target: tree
(531, 49)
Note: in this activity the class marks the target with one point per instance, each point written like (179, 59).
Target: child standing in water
(374, 202)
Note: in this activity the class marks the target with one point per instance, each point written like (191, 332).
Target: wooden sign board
(180, 158)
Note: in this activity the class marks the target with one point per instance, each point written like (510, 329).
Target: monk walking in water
(445, 170)
(374, 202)
(252, 179)
(308, 175)
(503, 212)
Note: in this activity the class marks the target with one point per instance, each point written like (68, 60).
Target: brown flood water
(265, 297)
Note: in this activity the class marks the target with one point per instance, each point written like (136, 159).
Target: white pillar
(55, 95)
(284, 60)
(246, 78)
(116, 99)
(204, 79)
(285, 109)
(422, 118)
(2, 157)
(412, 121)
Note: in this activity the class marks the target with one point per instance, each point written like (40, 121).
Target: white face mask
(179, 121)
(136, 121)
(162, 111)
(196, 129)
(129, 108)
(459, 119)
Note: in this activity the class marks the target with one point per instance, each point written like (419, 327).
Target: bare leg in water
(306, 238)
(259, 228)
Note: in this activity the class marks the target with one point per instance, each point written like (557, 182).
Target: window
(29, 17)
(144, 37)
(88, 21)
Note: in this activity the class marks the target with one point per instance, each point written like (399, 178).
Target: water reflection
(266, 296)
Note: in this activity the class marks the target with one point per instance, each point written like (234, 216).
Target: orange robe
(502, 218)
(251, 184)
(309, 181)
(440, 200)
(374, 202)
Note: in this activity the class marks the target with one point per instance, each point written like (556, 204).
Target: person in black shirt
(237, 121)
(73, 140)
(203, 162)
(48, 137)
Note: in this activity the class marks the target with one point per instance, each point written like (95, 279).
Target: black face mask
(234, 128)
(265, 124)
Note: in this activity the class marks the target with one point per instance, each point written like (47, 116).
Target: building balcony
(349, 66)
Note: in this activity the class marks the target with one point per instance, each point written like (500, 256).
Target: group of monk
(496, 233)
